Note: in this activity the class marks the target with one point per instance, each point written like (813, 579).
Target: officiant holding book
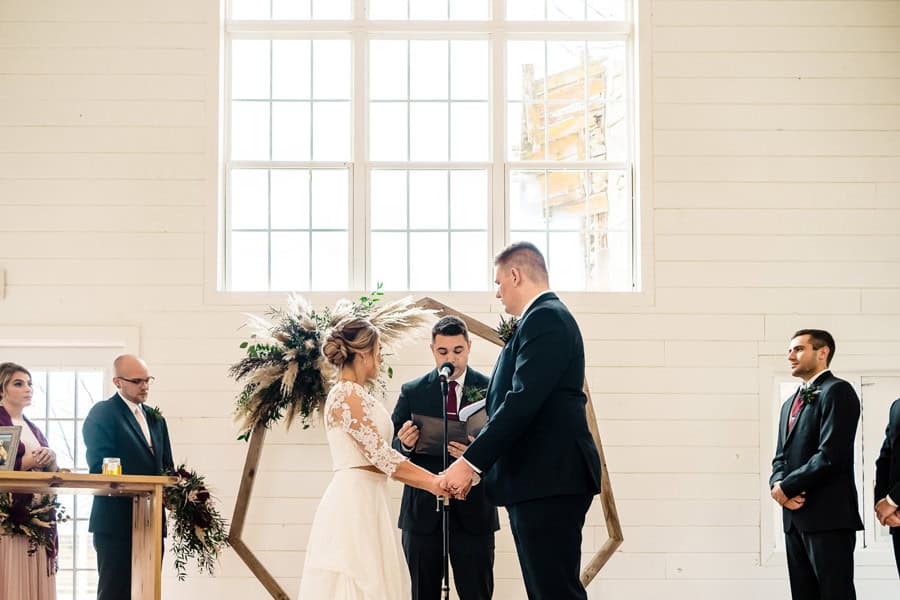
(473, 521)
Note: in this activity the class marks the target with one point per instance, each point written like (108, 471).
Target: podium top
(40, 482)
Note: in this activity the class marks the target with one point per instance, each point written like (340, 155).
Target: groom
(536, 452)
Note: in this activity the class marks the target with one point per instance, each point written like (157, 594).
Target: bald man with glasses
(122, 427)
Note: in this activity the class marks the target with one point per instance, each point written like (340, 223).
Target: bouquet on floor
(284, 373)
(198, 531)
(34, 516)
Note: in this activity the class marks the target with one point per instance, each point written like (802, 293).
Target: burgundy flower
(202, 496)
(184, 473)
(202, 519)
(19, 513)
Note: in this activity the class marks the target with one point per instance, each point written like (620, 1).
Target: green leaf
(244, 344)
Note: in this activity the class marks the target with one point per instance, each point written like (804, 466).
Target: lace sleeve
(352, 412)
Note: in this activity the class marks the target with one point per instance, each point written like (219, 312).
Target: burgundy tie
(795, 409)
(451, 403)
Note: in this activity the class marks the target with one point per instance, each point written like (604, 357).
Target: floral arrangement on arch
(198, 530)
(284, 373)
(34, 516)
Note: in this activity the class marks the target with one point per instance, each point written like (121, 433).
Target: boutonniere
(472, 395)
(809, 394)
(153, 413)
(507, 328)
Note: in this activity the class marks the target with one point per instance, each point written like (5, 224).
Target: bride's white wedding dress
(353, 552)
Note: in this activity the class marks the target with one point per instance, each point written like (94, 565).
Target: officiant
(473, 521)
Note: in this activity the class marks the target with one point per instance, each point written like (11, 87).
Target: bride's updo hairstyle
(347, 339)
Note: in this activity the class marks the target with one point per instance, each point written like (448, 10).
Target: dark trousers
(471, 556)
(896, 537)
(113, 567)
(547, 532)
(820, 564)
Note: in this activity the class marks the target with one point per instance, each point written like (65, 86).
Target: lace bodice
(359, 429)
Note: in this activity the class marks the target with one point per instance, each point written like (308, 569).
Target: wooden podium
(146, 492)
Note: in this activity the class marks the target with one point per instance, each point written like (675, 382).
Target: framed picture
(9, 446)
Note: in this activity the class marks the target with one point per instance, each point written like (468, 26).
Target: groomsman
(887, 479)
(812, 473)
(473, 521)
(122, 427)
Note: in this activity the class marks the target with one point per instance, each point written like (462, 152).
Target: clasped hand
(458, 479)
(789, 503)
(888, 515)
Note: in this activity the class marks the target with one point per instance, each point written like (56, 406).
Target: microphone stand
(443, 502)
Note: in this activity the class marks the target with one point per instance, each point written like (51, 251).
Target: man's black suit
(472, 522)
(887, 470)
(110, 430)
(536, 452)
(816, 458)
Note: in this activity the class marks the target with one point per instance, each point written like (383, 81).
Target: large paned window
(408, 141)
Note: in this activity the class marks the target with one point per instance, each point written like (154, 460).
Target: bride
(352, 552)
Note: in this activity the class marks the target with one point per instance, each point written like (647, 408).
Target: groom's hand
(457, 479)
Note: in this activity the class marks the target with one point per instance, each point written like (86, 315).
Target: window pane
(249, 261)
(428, 261)
(90, 391)
(388, 202)
(576, 212)
(331, 69)
(469, 10)
(428, 131)
(428, 69)
(250, 69)
(38, 408)
(428, 199)
(428, 10)
(565, 10)
(291, 69)
(330, 197)
(393, 10)
(249, 199)
(388, 76)
(249, 130)
(525, 70)
(468, 261)
(470, 129)
(389, 262)
(290, 131)
(605, 10)
(329, 260)
(249, 9)
(61, 391)
(61, 436)
(468, 199)
(331, 9)
(388, 131)
(290, 261)
(291, 9)
(525, 10)
(290, 198)
(331, 130)
(468, 70)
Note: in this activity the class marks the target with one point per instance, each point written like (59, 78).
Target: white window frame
(498, 32)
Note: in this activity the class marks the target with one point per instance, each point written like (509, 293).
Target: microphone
(446, 371)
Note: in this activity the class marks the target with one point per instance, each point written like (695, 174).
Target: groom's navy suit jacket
(111, 431)
(887, 467)
(816, 457)
(476, 515)
(536, 443)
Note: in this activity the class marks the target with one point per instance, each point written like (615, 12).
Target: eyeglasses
(149, 380)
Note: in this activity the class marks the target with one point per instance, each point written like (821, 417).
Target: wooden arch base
(258, 437)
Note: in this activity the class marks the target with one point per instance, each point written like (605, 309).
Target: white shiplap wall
(773, 158)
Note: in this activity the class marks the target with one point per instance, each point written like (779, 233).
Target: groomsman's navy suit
(815, 457)
(887, 470)
(110, 430)
(472, 521)
(536, 453)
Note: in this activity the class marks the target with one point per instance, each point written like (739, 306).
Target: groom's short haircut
(817, 339)
(450, 326)
(526, 257)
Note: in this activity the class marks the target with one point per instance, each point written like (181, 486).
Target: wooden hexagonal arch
(258, 437)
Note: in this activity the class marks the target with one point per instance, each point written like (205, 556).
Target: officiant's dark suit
(111, 430)
(887, 470)
(472, 522)
(814, 459)
(536, 452)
